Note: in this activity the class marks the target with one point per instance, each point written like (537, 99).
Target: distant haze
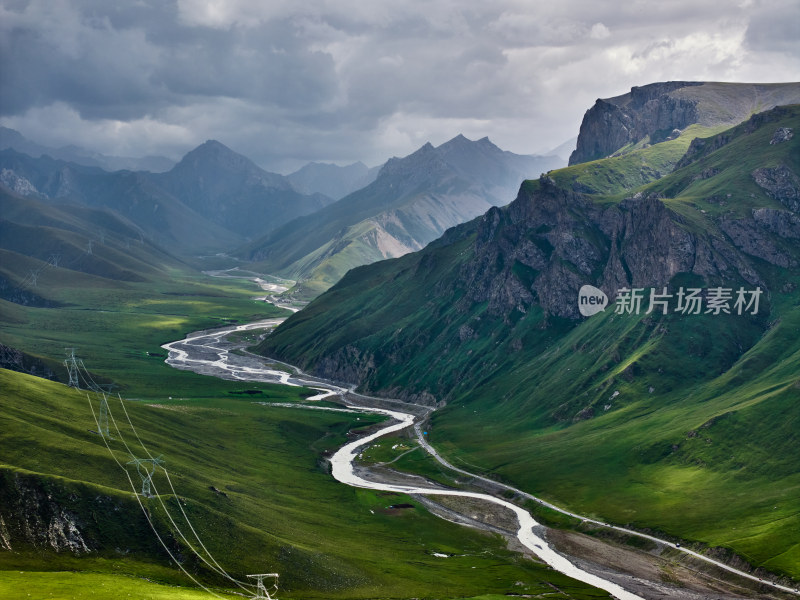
(286, 83)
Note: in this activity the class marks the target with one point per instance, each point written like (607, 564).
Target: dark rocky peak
(551, 241)
(639, 96)
(213, 163)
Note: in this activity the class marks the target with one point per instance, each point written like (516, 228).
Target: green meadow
(253, 483)
(251, 479)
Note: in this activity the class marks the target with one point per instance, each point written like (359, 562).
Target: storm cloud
(290, 82)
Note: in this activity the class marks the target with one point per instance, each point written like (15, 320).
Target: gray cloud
(288, 82)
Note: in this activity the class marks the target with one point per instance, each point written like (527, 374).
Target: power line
(103, 423)
(146, 468)
(146, 514)
(216, 566)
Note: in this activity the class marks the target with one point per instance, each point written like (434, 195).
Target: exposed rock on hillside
(562, 241)
(611, 124)
(655, 111)
(780, 183)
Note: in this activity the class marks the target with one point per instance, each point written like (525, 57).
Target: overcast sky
(287, 82)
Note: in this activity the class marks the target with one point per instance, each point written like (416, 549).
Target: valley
(380, 382)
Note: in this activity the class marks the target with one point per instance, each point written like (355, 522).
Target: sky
(288, 82)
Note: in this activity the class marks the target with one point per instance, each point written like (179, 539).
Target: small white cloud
(599, 32)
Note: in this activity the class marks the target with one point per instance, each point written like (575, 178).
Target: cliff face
(563, 241)
(614, 123)
(660, 111)
(646, 111)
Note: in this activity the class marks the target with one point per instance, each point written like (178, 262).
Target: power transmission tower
(89, 247)
(54, 259)
(72, 368)
(34, 275)
(261, 590)
(146, 472)
(103, 421)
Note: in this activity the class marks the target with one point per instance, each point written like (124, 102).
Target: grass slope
(251, 479)
(680, 424)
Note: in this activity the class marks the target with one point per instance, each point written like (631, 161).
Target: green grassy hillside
(252, 482)
(683, 424)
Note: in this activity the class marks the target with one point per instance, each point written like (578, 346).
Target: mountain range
(10, 138)
(332, 180)
(647, 413)
(665, 420)
(213, 200)
(412, 201)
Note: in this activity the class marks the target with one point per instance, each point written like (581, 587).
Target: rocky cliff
(659, 111)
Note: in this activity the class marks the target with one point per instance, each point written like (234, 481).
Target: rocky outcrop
(551, 242)
(749, 237)
(646, 111)
(34, 517)
(14, 360)
(48, 514)
(18, 184)
(780, 183)
(782, 134)
(780, 222)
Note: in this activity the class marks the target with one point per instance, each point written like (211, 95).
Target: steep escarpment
(660, 111)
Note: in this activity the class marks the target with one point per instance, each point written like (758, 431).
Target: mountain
(332, 180)
(133, 195)
(663, 420)
(412, 201)
(10, 138)
(213, 200)
(653, 113)
(46, 250)
(229, 189)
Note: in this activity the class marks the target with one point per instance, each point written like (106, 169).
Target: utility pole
(261, 590)
(145, 472)
(72, 368)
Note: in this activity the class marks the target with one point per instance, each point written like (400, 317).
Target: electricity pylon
(261, 590)
(103, 421)
(72, 368)
(146, 473)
